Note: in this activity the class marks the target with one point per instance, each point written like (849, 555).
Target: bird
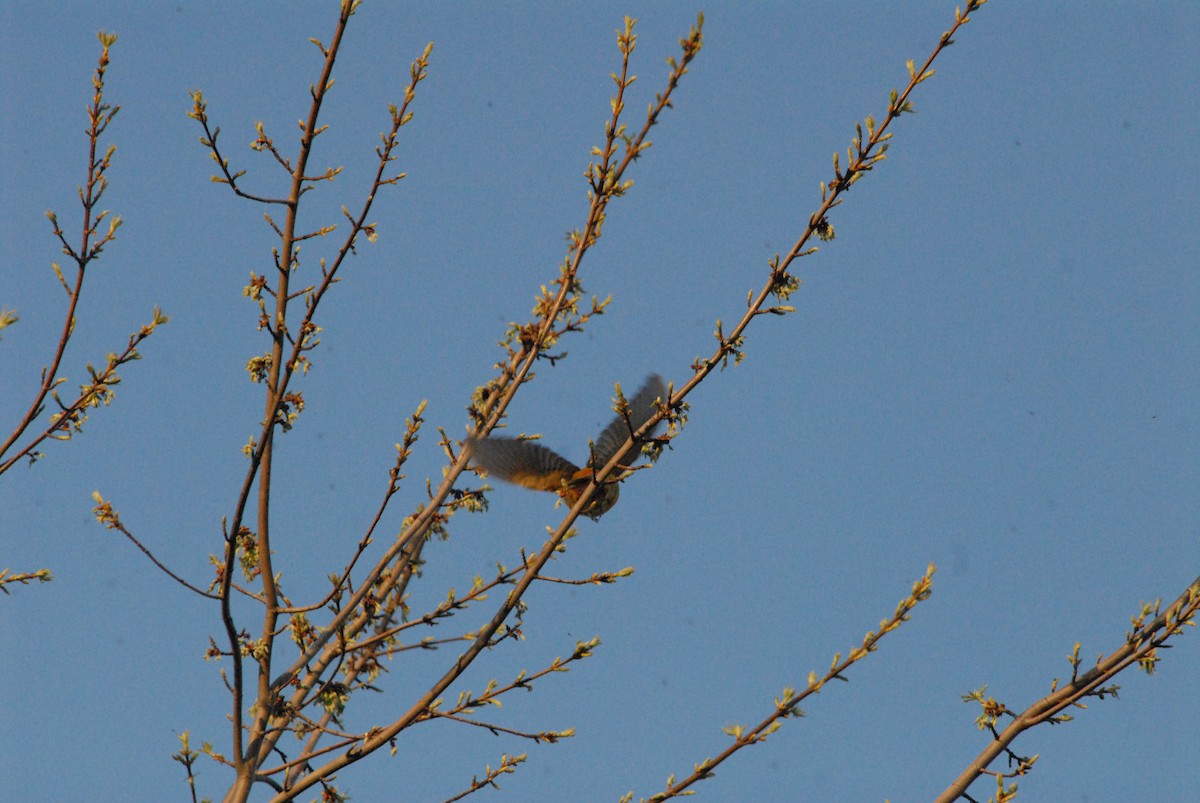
(533, 466)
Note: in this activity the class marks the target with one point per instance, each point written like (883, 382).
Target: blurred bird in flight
(532, 465)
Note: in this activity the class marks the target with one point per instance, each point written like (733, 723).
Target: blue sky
(995, 368)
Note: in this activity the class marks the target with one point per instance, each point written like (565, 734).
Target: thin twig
(1139, 648)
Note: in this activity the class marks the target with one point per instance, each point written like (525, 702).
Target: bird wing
(523, 463)
(641, 409)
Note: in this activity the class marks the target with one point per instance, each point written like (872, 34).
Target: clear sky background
(995, 367)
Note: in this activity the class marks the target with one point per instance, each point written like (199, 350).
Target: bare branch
(1141, 648)
(788, 704)
(70, 419)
